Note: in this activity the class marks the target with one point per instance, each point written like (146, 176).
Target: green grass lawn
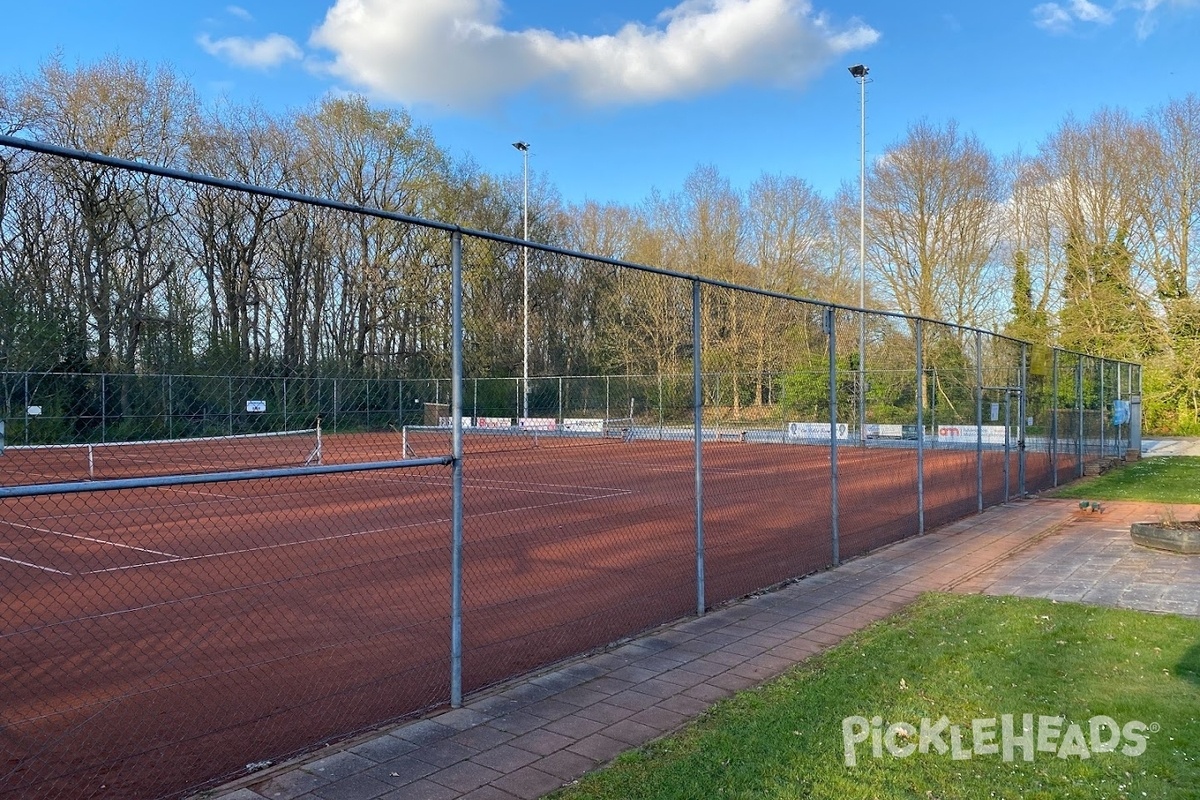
(965, 658)
(1161, 479)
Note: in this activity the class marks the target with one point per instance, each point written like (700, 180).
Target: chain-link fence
(272, 473)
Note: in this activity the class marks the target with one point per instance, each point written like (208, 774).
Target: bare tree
(932, 209)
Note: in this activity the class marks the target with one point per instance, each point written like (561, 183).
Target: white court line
(34, 566)
(580, 491)
(350, 535)
(88, 539)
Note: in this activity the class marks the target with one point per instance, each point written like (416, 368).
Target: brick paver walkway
(533, 736)
(1091, 559)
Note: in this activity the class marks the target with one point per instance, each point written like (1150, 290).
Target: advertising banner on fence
(583, 425)
(815, 430)
(883, 431)
(968, 434)
(539, 423)
(446, 422)
(493, 422)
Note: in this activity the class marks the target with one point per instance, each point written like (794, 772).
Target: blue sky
(620, 97)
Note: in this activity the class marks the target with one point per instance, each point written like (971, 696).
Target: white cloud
(455, 53)
(1052, 17)
(1062, 17)
(1087, 11)
(270, 51)
(240, 13)
(1147, 18)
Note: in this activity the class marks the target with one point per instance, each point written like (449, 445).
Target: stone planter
(1180, 537)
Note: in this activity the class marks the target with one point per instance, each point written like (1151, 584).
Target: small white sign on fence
(256, 406)
(34, 411)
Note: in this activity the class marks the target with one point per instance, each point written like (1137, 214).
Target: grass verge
(1161, 479)
(965, 658)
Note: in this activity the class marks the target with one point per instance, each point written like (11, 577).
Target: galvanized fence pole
(456, 471)
(831, 329)
(1007, 441)
(979, 420)
(660, 407)
(698, 433)
(1022, 417)
(921, 428)
(1079, 469)
(1054, 416)
(1100, 403)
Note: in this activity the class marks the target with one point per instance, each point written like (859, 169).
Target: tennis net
(420, 441)
(64, 463)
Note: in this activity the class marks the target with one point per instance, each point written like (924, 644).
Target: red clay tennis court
(160, 639)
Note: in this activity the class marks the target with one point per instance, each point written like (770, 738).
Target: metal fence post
(979, 420)
(1007, 440)
(456, 471)
(1022, 417)
(660, 407)
(1054, 416)
(1100, 403)
(1079, 409)
(921, 429)
(835, 533)
(698, 432)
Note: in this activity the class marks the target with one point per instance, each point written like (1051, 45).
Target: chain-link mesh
(229, 456)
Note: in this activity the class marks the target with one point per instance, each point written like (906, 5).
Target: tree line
(103, 270)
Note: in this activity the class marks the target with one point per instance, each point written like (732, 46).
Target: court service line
(34, 566)
(264, 548)
(89, 539)
(580, 490)
(349, 535)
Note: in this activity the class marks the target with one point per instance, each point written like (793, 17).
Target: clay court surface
(159, 639)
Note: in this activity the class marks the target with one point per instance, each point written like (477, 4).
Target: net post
(319, 449)
(91, 461)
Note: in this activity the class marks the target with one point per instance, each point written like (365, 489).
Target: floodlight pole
(860, 71)
(524, 148)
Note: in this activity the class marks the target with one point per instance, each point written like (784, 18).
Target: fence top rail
(47, 148)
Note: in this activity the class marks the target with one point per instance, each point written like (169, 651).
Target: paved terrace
(545, 730)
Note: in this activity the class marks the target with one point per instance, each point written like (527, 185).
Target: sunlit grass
(1160, 479)
(965, 658)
